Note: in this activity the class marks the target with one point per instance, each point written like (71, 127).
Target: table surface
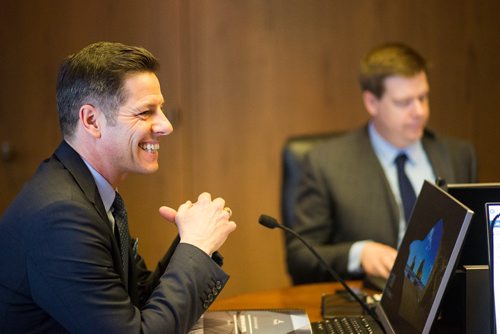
(307, 297)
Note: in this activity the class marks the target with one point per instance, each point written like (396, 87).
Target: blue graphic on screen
(423, 255)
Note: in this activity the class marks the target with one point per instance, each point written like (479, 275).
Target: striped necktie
(121, 223)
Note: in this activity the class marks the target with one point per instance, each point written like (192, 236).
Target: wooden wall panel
(239, 78)
(261, 71)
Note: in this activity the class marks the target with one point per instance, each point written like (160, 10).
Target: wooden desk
(307, 296)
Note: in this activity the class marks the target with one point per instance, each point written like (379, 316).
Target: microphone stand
(272, 223)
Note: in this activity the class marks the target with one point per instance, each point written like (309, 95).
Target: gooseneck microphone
(271, 223)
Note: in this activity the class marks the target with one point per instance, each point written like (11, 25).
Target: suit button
(210, 297)
(215, 292)
(218, 285)
(206, 304)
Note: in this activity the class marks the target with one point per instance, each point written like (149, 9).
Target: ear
(371, 103)
(90, 120)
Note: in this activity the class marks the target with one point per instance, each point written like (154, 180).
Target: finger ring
(228, 210)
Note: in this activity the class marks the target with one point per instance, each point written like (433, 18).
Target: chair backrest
(294, 152)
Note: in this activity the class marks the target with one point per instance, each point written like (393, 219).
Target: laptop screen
(426, 258)
(493, 214)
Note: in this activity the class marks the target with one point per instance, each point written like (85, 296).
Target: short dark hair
(388, 60)
(95, 75)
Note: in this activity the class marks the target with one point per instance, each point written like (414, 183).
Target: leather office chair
(293, 154)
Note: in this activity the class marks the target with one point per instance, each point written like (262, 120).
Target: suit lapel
(438, 157)
(75, 165)
(380, 182)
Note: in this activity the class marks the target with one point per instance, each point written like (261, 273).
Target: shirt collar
(103, 186)
(388, 152)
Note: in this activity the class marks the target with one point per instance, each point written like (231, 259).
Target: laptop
(474, 195)
(493, 216)
(424, 264)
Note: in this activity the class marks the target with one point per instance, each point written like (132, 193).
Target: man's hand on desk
(377, 259)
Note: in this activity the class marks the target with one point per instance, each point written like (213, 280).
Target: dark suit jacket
(345, 197)
(61, 266)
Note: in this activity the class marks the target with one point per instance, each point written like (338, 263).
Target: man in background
(358, 189)
(68, 262)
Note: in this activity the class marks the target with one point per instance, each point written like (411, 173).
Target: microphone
(272, 223)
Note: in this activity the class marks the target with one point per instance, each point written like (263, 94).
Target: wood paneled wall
(239, 78)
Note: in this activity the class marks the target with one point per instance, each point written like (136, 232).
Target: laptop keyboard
(343, 325)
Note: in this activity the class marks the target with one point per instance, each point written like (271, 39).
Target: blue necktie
(408, 196)
(121, 223)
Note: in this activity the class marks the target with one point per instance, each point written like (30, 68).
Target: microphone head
(268, 221)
